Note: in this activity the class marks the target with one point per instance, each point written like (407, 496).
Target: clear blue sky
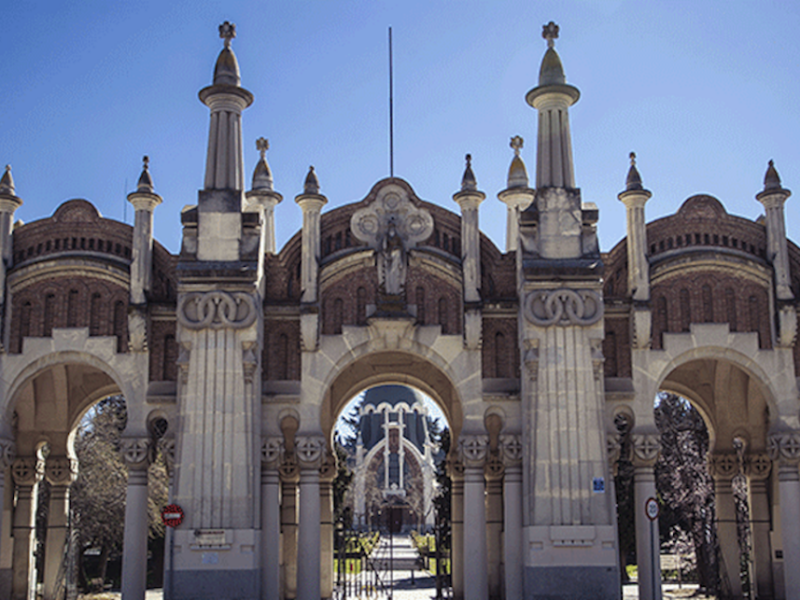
(705, 93)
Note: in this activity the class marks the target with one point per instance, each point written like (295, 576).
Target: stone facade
(251, 352)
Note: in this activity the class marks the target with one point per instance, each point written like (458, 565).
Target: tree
(684, 484)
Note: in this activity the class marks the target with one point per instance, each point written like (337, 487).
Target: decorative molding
(723, 465)
(26, 470)
(646, 448)
(249, 361)
(271, 451)
(137, 453)
(60, 470)
(8, 453)
(455, 466)
(216, 310)
(563, 307)
(473, 449)
(329, 468)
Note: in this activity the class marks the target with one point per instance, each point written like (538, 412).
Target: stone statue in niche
(392, 264)
(392, 226)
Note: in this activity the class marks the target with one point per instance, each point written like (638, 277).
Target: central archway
(391, 367)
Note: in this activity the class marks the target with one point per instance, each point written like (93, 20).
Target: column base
(576, 562)
(220, 564)
(575, 583)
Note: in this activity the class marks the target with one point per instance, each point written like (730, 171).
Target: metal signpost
(172, 516)
(652, 510)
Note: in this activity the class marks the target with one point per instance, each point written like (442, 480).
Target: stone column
(9, 203)
(327, 473)
(646, 447)
(309, 454)
(270, 518)
(473, 450)
(785, 449)
(144, 203)
(634, 198)
(289, 474)
(311, 202)
(757, 469)
(27, 474)
(456, 471)
(494, 472)
(512, 516)
(723, 467)
(8, 452)
(59, 471)
(264, 198)
(137, 454)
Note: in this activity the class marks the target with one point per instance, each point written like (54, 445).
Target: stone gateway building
(250, 352)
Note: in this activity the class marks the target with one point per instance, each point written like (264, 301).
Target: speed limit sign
(651, 509)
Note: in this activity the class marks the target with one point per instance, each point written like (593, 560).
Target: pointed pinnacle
(7, 182)
(312, 182)
(468, 182)
(634, 180)
(772, 180)
(145, 183)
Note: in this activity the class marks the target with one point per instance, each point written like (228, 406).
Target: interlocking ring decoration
(216, 310)
(563, 307)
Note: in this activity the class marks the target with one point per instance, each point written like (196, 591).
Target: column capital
(137, 452)
(511, 448)
(8, 452)
(784, 447)
(723, 465)
(494, 469)
(473, 449)
(310, 451)
(60, 470)
(757, 465)
(646, 448)
(272, 451)
(26, 470)
(455, 466)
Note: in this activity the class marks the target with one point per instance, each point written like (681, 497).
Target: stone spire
(552, 98)
(773, 197)
(7, 183)
(469, 199)
(226, 99)
(517, 196)
(634, 198)
(144, 201)
(468, 181)
(311, 185)
(263, 198)
(145, 184)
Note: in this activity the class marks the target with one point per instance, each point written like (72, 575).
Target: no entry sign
(651, 509)
(172, 515)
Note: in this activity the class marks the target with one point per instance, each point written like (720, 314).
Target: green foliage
(342, 511)
(443, 499)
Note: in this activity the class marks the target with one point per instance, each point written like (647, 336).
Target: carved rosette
(473, 449)
(60, 470)
(723, 465)
(137, 453)
(563, 307)
(271, 452)
(8, 452)
(785, 447)
(309, 451)
(217, 310)
(455, 466)
(26, 470)
(645, 449)
(494, 468)
(757, 466)
(511, 448)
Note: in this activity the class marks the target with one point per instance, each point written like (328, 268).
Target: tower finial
(145, 184)
(516, 144)
(550, 33)
(145, 162)
(227, 31)
(262, 145)
(468, 182)
(633, 159)
(7, 182)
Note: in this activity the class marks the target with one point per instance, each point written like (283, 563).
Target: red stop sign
(172, 515)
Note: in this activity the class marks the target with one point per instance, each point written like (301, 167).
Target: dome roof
(392, 394)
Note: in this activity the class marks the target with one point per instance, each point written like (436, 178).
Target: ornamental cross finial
(262, 145)
(550, 33)
(516, 144)
(227, 31)
(145, 162)
(633, 159)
